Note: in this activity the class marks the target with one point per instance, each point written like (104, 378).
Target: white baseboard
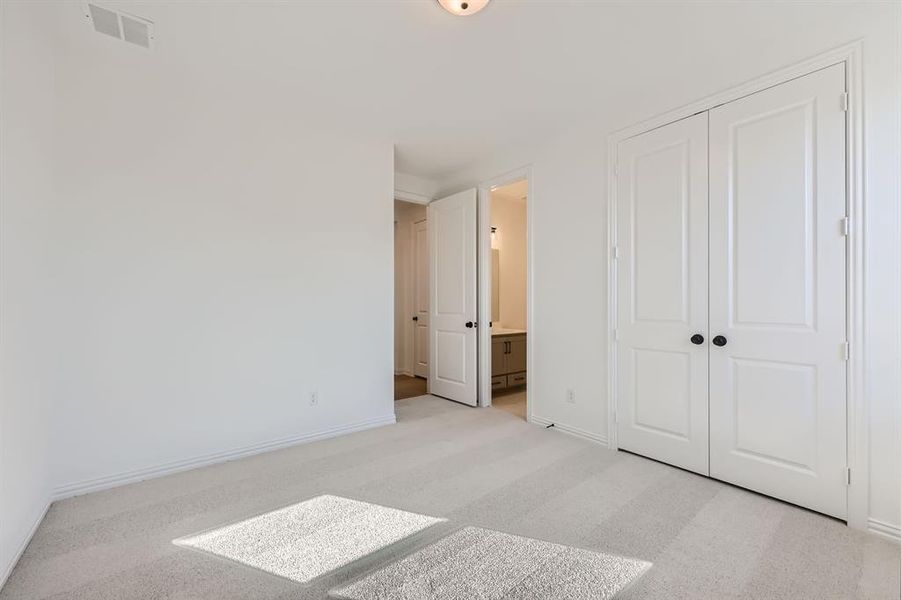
(884, 530)
(8, 569)
(586, 435)
(102, 483)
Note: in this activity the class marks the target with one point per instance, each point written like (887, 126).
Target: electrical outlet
(314, 398)
(571, 396)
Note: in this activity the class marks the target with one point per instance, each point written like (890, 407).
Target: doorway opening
(411, 300)
(465, 254)
(508, 222)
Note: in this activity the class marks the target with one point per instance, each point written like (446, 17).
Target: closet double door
(731, 293)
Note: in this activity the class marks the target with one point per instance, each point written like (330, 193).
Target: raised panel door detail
(421, 299)
(778, 292)
(764, 389)
(451, 357)
(772, 218)
(421, 266)
(660, 184)
(663, 392)
(451, 266)
(421, 366)
(661, 271)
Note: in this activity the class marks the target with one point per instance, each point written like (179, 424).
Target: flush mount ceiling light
(463, 8)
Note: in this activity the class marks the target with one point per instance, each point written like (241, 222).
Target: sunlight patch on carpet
(480, 563)
(306, 540)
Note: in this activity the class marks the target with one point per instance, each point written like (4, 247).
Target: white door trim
(412, 197)
(857, 402)
(484, 240)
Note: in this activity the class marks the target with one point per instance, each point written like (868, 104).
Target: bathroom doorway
(508, 234)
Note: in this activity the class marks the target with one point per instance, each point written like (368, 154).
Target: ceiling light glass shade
(463, 7)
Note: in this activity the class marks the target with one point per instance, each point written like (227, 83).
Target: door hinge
(848, 476)
(615, 252)
(845, 102)
(615, 334)
(846, 350)
(846, 226)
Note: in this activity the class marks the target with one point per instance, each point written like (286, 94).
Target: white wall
(405, 215)
(569, 336)
(214, 271)
(26, 191)
(182, 264)
(212, 257)
(509, 216)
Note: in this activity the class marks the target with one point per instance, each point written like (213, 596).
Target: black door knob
(697, 339)
(415, 318)
(469, 324)
(719, 341)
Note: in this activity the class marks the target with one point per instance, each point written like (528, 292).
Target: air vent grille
(105, 21)
(136, 32)
(123, 26)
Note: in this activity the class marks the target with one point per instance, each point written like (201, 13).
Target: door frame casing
(857, 409)
(484, 277)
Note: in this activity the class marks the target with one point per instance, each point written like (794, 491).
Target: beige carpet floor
(478, 467)
(476, 563)
(309, 539)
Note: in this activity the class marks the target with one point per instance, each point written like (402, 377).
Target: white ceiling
(450, 91)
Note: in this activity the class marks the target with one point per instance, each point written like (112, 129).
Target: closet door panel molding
(788, 410)
(662, 294)
(777, 292)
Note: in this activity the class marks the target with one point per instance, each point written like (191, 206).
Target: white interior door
(421, 298)
(453, 356)
(662, 294)
(777, 292)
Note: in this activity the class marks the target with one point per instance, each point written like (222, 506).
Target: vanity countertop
(496, 331)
